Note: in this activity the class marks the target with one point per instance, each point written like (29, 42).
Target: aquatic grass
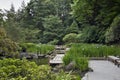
(45, 48)
(94, 50)
(79, 52)
(37, 48)
(81, 63)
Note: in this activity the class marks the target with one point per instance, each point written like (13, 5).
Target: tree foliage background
(99, 20)
(46, 21)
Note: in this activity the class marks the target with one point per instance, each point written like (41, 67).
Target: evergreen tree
(8, 48)
(53, 29)
(97, 13)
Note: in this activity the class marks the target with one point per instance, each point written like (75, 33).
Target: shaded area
(103, 70)
(41, 61)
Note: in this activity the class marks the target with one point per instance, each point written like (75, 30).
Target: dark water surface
(41, 61)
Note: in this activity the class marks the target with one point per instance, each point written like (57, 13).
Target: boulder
(55, 69)
(70, 66)
(90, 70)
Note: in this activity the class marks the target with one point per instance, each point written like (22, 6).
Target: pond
(40, 61)
(102, 70)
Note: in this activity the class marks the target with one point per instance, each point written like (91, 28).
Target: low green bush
(69, 38)
(16, 69)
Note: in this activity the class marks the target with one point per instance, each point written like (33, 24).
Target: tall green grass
(37, 48)
(81, 63)
(79, 53)
(94, 50)
(44, 48)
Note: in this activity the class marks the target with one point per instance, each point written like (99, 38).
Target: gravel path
(103, 70)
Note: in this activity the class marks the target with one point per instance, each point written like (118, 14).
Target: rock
(41, 55)
(47, 56)
(59, 67)
(70, 66)
(90, 70)
(35, 56)
(55, 69)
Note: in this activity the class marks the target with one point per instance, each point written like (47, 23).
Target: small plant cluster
(37, 48)
(81, 63)
(73, 55)
(16, 69)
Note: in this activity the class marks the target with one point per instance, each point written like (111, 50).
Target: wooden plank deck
(57, 59)
(60, 51)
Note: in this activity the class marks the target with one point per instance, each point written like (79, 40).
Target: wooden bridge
(58, 55)
(57, 59)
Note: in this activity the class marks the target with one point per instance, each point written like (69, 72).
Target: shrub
(70, 38)
(113, 33)
(15, 69)
(54, 42)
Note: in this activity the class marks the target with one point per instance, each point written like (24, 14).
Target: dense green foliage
(37, 48)
(15, 69)
(57, 22)
(53, 29)
(22, 70)
(8, 48)
(40, 21)
(99, 20)
(113, 33)
(70, 38)
(48, 21)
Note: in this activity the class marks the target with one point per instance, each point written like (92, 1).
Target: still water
(41, 61)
